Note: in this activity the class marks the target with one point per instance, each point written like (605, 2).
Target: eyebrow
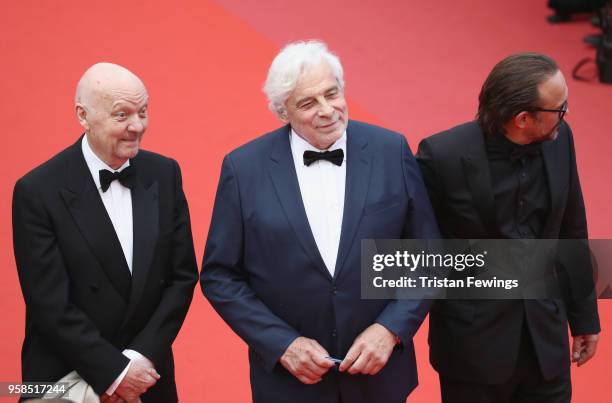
(122, 104)
(306, 99)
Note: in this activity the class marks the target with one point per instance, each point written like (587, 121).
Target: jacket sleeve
(46, 287)
(427, 165)
(404, 317)
(225, 282)
(582, 312)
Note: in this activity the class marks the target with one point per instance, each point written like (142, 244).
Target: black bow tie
(124, 177)
(335, 157)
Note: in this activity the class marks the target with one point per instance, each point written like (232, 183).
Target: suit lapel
(478, 176)
(553, 160)
(284, 178)
(145, 220)
(85, 205)
(358, 167)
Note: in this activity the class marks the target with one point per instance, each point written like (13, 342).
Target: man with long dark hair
(511, 174)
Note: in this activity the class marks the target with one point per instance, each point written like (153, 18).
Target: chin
(130, 153)
(331, 138)
(338, 131)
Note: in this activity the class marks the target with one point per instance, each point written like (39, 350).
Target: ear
(521, 120)
(282, 115)
(82, 116)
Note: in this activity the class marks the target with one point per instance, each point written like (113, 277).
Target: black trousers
(527, 384)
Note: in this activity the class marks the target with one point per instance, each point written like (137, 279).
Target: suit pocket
(382, 205)
(551, 305)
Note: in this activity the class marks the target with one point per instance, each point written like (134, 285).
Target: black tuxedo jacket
(478, 340)
(82, 305)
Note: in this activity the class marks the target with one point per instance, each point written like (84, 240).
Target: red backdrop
(413, 66)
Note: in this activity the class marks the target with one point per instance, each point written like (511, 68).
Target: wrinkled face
(316, 109)
(115, 121)
(553, 95)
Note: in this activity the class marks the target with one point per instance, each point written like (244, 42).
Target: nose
(136, 125)
(325, 110)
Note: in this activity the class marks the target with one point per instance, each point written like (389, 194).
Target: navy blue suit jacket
(263, 273)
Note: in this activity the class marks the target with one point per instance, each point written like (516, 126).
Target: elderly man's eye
(307, 105)
(121, 115)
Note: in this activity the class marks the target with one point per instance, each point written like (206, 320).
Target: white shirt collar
(299, 145)
(95, 164)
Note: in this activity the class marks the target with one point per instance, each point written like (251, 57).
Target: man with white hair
(282, 260)
(104, 251)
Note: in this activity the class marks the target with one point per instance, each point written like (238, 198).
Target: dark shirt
(520, 187)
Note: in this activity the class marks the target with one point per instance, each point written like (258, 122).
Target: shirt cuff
(134, 355)
(114, 385)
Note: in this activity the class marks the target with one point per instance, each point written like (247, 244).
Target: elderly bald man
(104, 251)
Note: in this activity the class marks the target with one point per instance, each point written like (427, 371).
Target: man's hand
(305, 359)
(138, 379)
(584, 347)
(370, 351)
(111, 399)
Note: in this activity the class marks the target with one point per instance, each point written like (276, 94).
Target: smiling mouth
(328, 125)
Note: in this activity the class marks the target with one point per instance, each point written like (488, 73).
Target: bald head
(111, 105)
(104, 78)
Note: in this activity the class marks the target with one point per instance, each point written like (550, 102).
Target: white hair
(288, 66)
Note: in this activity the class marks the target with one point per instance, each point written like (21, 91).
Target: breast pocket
(382, 205)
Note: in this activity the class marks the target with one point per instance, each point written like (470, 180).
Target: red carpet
(412, 66)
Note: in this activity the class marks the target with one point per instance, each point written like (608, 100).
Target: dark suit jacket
(263, 273)
(478, 340)
(82, 306)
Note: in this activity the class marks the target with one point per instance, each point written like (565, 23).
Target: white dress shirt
(322, 186)
(117, 200)
(118, 203)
